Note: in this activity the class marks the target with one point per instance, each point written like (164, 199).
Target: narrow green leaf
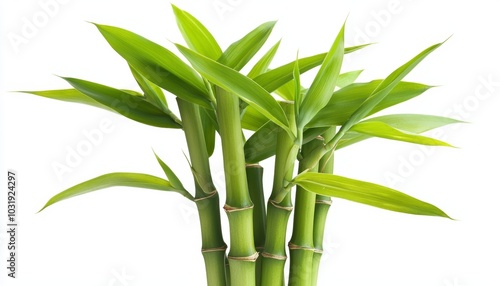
(262, 144)
(382, 91)
(324, 83)
(365, 193)
(346, 100)
(252, 119)
(196, 35)
(239, 53)
(383, 130)
(133, 107)
(263, 64)
(152, 92)
(348, 78)
(209, 129)
(242, 86)
(273, 79)
(172, 178)
(69, 95)
(157, 64)
(114, 180)
(414, 123)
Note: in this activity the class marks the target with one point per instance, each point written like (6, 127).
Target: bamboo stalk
(323, 204)
(239, 207)
(302, 244)
(256, 189)
(213, 245)
(274, 255)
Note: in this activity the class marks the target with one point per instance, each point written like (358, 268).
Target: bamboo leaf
(273, 79)
(365, 193)
(114, 180)
(242, 86)
(157, 64)
(239, 53)
(152, 92)
(383, 130)
(209, 128)
(128, 105)
(348, 78)
(197, 36)
(382, 91)
(324, 83)
(414, 123)
(172, 178)
(262, 144)
(252, 119)
(346, 100)
(263, 64)
(69, 95)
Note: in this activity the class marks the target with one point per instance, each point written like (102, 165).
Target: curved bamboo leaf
(152, 92)
(346, 100)
(207, 120)
(131, 106)
(196, 35)
(263, 64)
(172, 178)
(324, 83)
(157, 64)
(252, 119)
(382, 91)
(262, 144)
(348, 78)
(273, 79)
(242, 86)
(365, 193)
(69, 95)
(114, 180)
(239, 53)
(414, 123)
(383, 130)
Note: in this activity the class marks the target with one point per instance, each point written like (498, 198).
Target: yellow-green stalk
(239, 207)
(207, 197)
(302, 244)
(274, 255)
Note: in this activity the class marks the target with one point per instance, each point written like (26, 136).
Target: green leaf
(252, 119)
(128, 105)
(365, 193)
(414, 123)
(197, 36)
(346, 100)
(348, 78)
(242, 86)
(324, 83)
(273, 79)
(262, 144)
(69, 95)
(209, 128)
(239, 53)
(383, 130)
(114, 180)
(263, 64)
(157, 64)
(173, 179)
(152, 92)
(382, 91)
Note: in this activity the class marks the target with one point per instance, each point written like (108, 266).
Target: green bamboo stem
(239, 207)
(256, 189)
(323, 204)
(213, 245)
(302, 244)
(274, 255)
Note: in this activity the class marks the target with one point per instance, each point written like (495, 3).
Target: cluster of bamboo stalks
(301, 130)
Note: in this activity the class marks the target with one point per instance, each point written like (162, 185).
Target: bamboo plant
(301, 127)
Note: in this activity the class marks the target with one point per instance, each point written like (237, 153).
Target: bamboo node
(211, 194)
(319, 251)
(251, 258)
(324, 202)
(276, 205)
(254, 166)
(292, 246)
(230, 209)
(273, 256)
(214, 249)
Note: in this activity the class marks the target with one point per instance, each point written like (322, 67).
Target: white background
(124, 236)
